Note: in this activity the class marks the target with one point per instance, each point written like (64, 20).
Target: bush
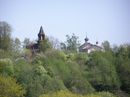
(10, 88)
(6, 67)
(70, 94)
(105, 94)
(53, 85)
(61, 94)
(79, 85)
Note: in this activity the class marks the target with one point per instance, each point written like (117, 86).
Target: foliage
(63, 46)
(4, 54)
(67, 71)
(27, 53)
(71, 44)
(16, 46)
(6, 67)
(106, 45)
(28, 76)
(37, 81)
(56, 54)
(79, 85)
(81, 58)
(5, 33)
(105, 94)
(53, 85)
(69, 94)
(10, 88)
(44, 45)
(26, 42)
(123, 66)
(101, 72)
(40, 70)
(54, 42)
(61, 73)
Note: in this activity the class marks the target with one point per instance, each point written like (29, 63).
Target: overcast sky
(100, 19)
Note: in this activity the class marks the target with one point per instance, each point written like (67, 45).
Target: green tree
(101, 71)
(63, 46)
(67, 71)
(45, 44)
(37, 80)
(4, 54)
(26, 42)
(71, 43)
(106, 46)
(5, 36)
(123, 66)
(16, 46)
(10, 88)
(54, 42)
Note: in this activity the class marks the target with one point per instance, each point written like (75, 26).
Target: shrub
(6, 67)
(70, 94)
(79, 85)
(10, 88)
(53, 85)
(105, 94)
(61, 94)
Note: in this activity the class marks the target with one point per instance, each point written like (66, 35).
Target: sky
(100, 20)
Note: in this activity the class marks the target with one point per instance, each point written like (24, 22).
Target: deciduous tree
(5, 35)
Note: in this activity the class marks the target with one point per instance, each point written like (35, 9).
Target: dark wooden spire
(41, 34)
(86, 39)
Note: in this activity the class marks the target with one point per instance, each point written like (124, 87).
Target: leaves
(5, 33)
(101, 72)
(10, 88)
(70, 94)
(6, 67)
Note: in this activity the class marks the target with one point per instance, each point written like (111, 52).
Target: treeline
(62, 71)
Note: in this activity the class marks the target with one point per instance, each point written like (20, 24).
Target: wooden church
(89, 47)
(35, 47)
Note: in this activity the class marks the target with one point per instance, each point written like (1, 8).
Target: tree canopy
(64, 72)
(5, 35)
